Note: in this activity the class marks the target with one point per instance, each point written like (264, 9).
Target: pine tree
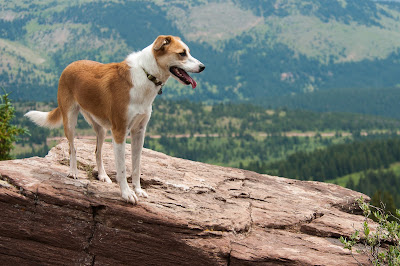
(8, 132)
(385, 201)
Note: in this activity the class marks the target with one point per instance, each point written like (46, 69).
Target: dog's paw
(104, 178)
(72, 175)
(129, 196)
(141, 193)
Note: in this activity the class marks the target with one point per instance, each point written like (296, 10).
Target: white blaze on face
(190, 64)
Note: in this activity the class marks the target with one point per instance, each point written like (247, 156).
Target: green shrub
(382, 245)
(8, 132)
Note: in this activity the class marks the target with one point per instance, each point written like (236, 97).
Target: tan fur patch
(100, 89)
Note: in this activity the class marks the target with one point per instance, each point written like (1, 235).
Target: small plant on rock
(382, 246)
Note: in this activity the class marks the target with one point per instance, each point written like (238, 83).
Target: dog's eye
(183, 54)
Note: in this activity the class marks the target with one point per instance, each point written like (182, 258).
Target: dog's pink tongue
(193, 82)
(189, 78)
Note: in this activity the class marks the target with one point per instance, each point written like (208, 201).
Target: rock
(196, 214)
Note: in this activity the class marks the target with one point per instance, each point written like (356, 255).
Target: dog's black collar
(154, 80)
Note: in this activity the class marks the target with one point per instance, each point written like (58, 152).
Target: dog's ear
(161, 42)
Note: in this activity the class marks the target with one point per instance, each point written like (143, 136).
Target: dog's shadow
(93, 175)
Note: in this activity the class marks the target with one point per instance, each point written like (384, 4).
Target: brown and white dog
(118, 96)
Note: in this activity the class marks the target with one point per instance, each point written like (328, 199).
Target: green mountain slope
(253, 50)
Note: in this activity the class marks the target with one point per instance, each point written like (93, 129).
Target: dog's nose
(202, 67)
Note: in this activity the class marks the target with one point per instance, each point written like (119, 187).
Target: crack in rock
(295, 227)
(95, 209)
(251, 217)
(10, 183)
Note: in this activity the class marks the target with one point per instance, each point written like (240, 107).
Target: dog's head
(173, 55)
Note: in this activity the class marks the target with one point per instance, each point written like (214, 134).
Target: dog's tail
(50, 119)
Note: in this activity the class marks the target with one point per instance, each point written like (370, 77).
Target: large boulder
(196, 214)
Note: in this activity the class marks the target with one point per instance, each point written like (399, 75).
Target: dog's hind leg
(69, 119)
(101, 135)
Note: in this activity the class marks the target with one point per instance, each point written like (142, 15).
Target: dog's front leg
(137, 140)
(119, 154)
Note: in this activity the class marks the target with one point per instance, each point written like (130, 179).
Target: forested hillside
(337, 160)
(254, 50)
(186, 118)
(368, 165)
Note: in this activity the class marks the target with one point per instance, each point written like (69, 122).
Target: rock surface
(196, 214)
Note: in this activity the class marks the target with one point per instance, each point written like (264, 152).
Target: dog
(119, 97)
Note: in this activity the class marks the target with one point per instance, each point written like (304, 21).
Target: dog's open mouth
(183, 76)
